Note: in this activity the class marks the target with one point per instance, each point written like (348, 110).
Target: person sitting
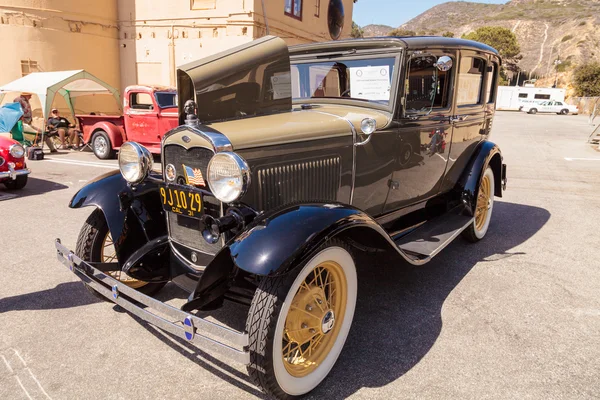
(29, 131)
(66, 130)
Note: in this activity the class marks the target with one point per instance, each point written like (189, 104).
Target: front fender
(486, 154)
(133, 216)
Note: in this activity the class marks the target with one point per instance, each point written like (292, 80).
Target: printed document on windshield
(370, 83)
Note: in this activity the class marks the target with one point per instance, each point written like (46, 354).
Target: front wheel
(298, 322)
(564, 111)
(102, 146)
(95, 244)
(483, 211)
(16, 184)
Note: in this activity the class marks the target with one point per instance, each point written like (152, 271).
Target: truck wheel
(532, 111)
(564, 111)
(298, 322)
(16, 184)
(95, 244)
(483, 211)
(102, 146)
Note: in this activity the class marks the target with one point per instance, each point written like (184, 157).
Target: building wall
(60, 35)
(156, 36)
(311, 28)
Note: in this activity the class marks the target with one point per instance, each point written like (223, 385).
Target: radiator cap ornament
(189, 108)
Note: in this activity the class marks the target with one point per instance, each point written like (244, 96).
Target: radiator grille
(184, 230)
(304, 181)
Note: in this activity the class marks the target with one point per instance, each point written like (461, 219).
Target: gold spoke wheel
(483, 203)
(314, 319)
(108, 254)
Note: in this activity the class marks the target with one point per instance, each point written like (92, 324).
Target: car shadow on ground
(34, 187)
(63, 295)
(398, 315)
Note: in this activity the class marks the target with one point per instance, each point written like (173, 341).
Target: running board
(425, 242)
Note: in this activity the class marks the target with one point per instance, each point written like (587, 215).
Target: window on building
(523, 95)
(29, 66)
(317, 8)
(203, 4)
(141, 101)
(293, 8)
(542, 97)
(470, 81)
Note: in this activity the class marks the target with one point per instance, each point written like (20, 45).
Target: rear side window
(140, 101)
(542, 96)
(470, 81)
(522, 95)
(491, 83)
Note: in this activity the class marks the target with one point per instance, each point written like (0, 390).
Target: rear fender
(486, 154)
(114, 132)
(134, 216)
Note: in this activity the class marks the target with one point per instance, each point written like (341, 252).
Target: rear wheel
(298, 322)
(564, 111)
(483, 211)
(102, 146)
(95, 244)
(16, 184)
(533, 111)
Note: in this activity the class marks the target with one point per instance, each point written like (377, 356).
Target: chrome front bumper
(12, 173)
(179, 323)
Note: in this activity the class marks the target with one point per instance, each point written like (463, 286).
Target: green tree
(401, 32)
(503, 40)
(448, 34)
(586, 79)
(357, 31)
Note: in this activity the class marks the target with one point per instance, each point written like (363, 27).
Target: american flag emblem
(193, 176)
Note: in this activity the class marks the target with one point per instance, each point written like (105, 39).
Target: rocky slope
(546, 29)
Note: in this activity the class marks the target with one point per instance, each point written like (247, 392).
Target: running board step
(430, 238)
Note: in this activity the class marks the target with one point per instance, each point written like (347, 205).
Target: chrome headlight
(228, 176)
(135, 162)
(16, 150)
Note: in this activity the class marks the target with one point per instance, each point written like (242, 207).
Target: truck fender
(486, 154)
(278, 241)
(133, 216)
(115, 133)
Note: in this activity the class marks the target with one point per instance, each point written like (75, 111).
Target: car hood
(300, 124)
(5, 142)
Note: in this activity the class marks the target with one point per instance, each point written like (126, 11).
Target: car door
(473, 111)
(424, 129)
(141, 120)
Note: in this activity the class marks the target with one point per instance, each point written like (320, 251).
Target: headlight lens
(228, 176)
(17, 151)
(135, 162)
(368, 126)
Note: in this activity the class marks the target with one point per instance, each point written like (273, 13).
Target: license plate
(181, 201)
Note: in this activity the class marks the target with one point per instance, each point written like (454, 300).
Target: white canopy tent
(68, 84)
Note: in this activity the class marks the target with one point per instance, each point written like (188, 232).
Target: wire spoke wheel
(483, 203)
(483, 208)
(314, 319)
(108, 254)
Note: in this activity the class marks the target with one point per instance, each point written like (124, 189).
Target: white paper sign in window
(370, 83)
(282, 86)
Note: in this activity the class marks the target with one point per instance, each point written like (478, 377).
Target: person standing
(27, 119)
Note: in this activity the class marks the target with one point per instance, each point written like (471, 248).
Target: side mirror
(444, 63)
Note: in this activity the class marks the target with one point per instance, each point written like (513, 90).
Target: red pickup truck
(148, 113)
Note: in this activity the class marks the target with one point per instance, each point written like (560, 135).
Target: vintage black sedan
(286, 164)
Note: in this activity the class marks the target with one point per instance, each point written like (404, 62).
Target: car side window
(558, 103)
(491, 83)
(426, 86)
(470, 81)
(141, 101)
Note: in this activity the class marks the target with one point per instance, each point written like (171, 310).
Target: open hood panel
(245, 81)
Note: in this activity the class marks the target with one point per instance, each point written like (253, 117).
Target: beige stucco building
(125, 42)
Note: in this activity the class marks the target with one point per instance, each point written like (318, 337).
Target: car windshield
(166, 99)
(368, 79)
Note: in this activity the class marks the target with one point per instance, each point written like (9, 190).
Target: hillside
(377, 30)
(545, 28)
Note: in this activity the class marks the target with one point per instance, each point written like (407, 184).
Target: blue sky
(395, 12)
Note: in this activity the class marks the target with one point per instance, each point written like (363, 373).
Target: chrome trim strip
(194, 332)
(12, 173)
(354, 139)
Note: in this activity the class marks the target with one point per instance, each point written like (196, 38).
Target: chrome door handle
(458, 118)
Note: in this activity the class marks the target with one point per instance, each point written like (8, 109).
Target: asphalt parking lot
(515, 316)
